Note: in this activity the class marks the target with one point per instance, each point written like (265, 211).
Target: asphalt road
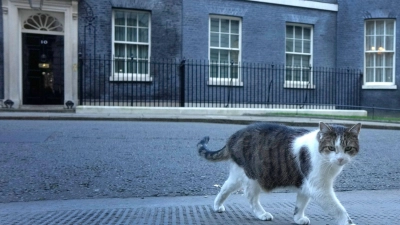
(48, 160)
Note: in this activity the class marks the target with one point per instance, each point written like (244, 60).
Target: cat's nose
(340, 161)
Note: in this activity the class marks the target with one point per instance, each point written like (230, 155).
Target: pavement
(366, 207)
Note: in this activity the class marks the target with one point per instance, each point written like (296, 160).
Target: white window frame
(299, 84)
(379, 50)
(139, 77)
(225, 81)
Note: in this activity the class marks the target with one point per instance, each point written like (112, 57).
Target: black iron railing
(196, 83)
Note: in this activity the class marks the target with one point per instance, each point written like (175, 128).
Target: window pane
(235, 56)
(306, 74)
(289, 45)
(307, 33)
(224, 25)
(380, 28)
(143, 35)
(142, 67)
(370, 28)
(307, 47)
(379, 42)
(289, 60)
(214, 40)
(214, 55)
(225, 40)
(119, 34)
(119, 66)
(289, 31)
(369, 44)
(132, 34)
(379, 60)
(224, 56)
(288, 74)
(389, 75)
(297, 61)
(119, 50)
(143, 19)
(234, 72)
(389, 43)
(131, 19)
(234, 27)
(130, 66)
(389, 60)
(214, 25)
(143, 51)
(297, 46)
(234, 41)
(369, 58)
(214, 71)
(298, 34)
(370, 75)
(119, 18)
(305, 61)
(390, 27)
(224, 73)
(297, 74)
(131, 51)
(379, 75)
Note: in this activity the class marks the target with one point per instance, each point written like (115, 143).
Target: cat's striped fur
(267, 156)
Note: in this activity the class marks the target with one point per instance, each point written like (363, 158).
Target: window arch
(43, 22)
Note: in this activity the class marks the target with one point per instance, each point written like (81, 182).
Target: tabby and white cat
(267, 156)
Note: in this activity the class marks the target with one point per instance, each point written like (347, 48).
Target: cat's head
(338, 144)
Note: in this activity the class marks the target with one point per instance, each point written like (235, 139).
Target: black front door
(43, 69)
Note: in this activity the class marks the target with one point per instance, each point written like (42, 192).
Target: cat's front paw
(265, 216)
(219, 209)
(302, 220)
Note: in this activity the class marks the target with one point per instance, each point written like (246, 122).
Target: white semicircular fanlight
(43, 22)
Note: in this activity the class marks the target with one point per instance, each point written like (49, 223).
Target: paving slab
(365, 208)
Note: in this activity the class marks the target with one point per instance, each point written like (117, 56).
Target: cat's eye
(348, 149)
(331, 148)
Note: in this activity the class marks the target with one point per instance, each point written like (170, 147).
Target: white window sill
(381, 86)
(302, 3)
(224, 82)
(131, 78)
(299, 85)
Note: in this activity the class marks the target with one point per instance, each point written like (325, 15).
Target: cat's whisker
(354, 165)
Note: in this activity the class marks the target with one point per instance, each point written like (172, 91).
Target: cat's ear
(324, 127)
(355, 129)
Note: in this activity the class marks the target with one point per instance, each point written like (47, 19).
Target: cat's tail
(215, 156)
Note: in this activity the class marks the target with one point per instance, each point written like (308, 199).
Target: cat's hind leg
(233, 183)
(301, 204)
(252, 192)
